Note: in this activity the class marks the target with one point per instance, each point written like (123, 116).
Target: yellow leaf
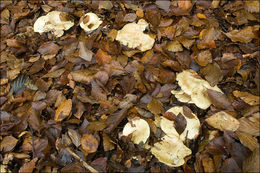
(63, 110)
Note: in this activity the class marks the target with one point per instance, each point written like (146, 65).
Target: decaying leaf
(155, 106)
(223, 121)
(63, 110)
(89, 143)
(247, 97)
(75, 137)
(193, 89)
(174, 46)
(247, 140)
(132, 35)
(54, 21)
(29, 167)
(8, 143)
(251, 164)
(249, 126)
(90, 22)
(244, 35)
(139, 129)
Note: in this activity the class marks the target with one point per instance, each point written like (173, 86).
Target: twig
(91, 169)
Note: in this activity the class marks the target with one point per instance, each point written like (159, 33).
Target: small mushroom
(139, 129)
(54, 21)
(132, 35)
(90, 22)
(170, 151)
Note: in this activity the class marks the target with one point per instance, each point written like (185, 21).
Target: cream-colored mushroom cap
(170, 151)
(139, 129)
(193, 89)
(93, 22)
(132, 35)
(52, 22)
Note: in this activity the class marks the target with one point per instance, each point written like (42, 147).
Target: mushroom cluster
(193, 89)
(178, 124)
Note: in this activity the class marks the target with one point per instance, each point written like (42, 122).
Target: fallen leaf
(247, 140)
(63, 110)
(204, 58)
(219, 99)
(248, 126)
(84, 52)
(89, 143)
(223, 121)
(251, 163)
(212, 73)
(247, 97)
(174, 46)
(8, 143)
(184, 4)
(244, 35)
(54, 74)
(155, 106)
(103, 57)
(75, 137)
(108, 144)
(29, 167)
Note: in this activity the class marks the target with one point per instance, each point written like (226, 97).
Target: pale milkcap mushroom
(90, 22)
(139, 129)
(132, 36)
(193, 89)
(54, 21)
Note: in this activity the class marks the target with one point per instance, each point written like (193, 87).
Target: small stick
(90, 168)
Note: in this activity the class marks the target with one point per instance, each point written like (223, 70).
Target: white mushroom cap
(193, 89)
(171, 151)
(52, 22)
(92, 23)
(139, 129)
(132, 35)
(193, 124)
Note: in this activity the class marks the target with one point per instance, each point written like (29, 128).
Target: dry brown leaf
(28, 167)
(244, 35)
(155, 106)
(82, 75)
(223, 121)
(204, 58)
(103, 57)
(250, 127)
(63, 110)
(247, 140)
(54, 74)
(208, 164)
(251, 164)
(8, 143)
(89, 143)
(184, 4)
(108, 144)
(247, 97)
(75, 137)
(174, 46)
